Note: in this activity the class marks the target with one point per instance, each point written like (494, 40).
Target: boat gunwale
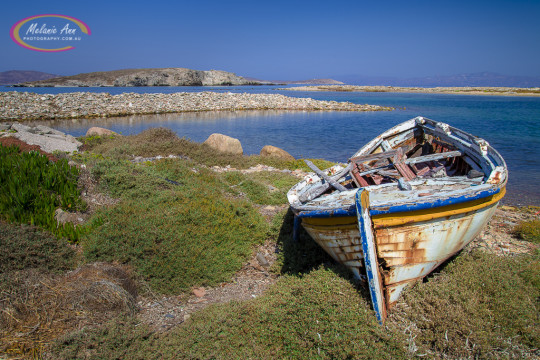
(401, 208)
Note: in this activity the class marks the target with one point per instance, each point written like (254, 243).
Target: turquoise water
(510, 124)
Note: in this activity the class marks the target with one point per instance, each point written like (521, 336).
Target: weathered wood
(422, 171)
(417, 160)
(403, 168)
(357, 177)
(472, 163)
(385, 145)
(377, 156)
(320, 189)
(322, 175)
(389, 173)
(432, 157)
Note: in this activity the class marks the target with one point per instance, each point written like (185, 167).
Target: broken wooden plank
(403, 168)
(320, 189)
(358, 177)
(377, 156)
(432, 157)
(322, 175)
(417, 160)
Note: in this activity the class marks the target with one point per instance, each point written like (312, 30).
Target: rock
(5, 127)
(272, 151)
(199, 292)
(98, 131)
(45, 130)
(49, 140)
(20, 127)
(262, 260)
(63, 217)
(224, 143)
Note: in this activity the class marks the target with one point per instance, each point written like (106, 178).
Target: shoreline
(454, 90)
(31, 106)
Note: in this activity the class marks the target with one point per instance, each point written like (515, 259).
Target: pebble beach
(31, 106)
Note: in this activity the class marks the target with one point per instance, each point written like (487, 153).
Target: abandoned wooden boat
(406, 202)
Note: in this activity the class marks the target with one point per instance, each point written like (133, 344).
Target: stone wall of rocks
(31, 106)
(463, 90)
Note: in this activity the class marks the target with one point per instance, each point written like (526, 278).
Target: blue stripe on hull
(351, 211)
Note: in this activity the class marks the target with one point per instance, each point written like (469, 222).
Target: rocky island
(145, 77)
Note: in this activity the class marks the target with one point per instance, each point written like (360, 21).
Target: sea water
(510, 124)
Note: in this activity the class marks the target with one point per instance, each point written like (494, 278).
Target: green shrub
(179, 234)
(32, 187)
(529, 230)
(263, 188)
(300, 256)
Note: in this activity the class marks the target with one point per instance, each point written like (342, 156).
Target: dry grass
(38, 307)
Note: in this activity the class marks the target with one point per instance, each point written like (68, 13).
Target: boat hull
(407, 250)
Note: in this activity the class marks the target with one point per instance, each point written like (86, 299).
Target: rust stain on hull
(412, 251)
(406, 252)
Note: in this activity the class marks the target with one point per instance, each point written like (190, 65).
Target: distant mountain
(18, 76)
(145, 77)
(472, 79)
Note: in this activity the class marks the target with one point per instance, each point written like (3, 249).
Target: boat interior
(421, 156)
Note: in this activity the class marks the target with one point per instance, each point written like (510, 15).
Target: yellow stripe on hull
(410, 217)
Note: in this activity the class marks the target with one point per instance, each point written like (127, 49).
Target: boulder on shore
(273, 151)
(98, 131)
(49, 140)
(224, 143)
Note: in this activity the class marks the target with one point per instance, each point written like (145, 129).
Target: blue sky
(290, 40)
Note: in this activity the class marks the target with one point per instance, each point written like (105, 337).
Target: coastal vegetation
(177, 224)
(529, 230)
(32, 187)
